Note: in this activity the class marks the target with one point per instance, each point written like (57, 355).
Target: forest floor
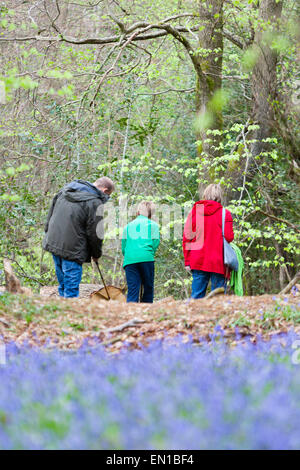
(46, 320)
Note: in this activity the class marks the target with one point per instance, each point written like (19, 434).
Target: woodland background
(162, 96)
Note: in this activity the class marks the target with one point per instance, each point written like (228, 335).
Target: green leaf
(10, 171)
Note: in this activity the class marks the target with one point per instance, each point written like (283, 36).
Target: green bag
(236, 279)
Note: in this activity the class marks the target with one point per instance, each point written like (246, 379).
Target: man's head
(105, 185)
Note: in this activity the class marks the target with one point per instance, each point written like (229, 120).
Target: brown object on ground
(291, 284)
(12, 283)
(115, 293)
(4, 322)
(219, 290)
(128, 324)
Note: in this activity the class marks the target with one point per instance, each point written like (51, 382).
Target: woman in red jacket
(203, 242)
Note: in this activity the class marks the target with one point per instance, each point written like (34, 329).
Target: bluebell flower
(294, 290)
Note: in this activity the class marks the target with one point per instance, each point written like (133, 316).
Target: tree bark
(210, 58)
(263, 87)
(264, 74)
(12, 283)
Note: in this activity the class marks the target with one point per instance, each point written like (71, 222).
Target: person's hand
(95, 260)
(188, 268)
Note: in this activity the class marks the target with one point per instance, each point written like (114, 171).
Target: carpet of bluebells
(165, 396)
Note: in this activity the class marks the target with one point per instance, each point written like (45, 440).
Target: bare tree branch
(105, 40)
(186, 90)
(279, 220)
(233, 39)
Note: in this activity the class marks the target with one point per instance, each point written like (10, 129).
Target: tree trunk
(264, 74)
(12, 283)
(210, 56)
(263, 85)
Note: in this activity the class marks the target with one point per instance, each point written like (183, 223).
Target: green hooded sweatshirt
(140, 240)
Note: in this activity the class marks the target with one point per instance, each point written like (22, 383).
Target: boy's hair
(213, 192)
(146, 208)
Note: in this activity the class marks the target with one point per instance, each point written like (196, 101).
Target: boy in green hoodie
(140, 241)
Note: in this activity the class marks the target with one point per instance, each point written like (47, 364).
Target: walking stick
(97, 264)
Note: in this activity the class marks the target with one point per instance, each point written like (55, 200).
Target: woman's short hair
(213, 192)
(146, 208)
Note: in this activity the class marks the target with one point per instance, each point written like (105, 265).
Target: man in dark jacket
(71, 230)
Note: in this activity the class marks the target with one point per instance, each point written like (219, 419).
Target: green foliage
(72, 112)
(254, 232)
(287, 313)
(250, 58)
(27, 309)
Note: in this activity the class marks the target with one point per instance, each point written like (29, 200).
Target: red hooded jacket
(202, 238)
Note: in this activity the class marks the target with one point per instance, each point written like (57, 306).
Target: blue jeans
(201, 280)
(138, 274)
(68, 274)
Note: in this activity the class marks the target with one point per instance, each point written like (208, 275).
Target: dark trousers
(68, 274)
(201, 280)
(137, 275)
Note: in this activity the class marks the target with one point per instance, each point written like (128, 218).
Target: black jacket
(73, 222)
